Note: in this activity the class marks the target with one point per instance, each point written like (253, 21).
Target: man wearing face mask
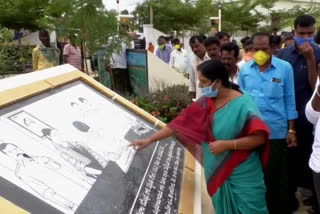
(178, 57)
(164, 51)
(304, 57)
(270, 81)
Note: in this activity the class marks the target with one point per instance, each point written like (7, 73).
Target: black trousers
(316, 182)
(300, 173)
(120, 81)
(276, 178)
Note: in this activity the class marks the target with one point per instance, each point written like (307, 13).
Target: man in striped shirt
(72, 53)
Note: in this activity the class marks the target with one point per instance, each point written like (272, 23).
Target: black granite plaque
(151, 184)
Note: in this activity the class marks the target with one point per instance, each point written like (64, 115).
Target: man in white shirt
(313, 115)
(248, 53)
(119, 72)
(178, 57)
(197, 45)
(229, 57)
(213, 47)
(189, 61)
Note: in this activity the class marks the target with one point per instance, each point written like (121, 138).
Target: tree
(6, 52)
(141, 16)
(240, 16)
(204, 9)
(95, 27)
(272, 17)
(124, 12)
(170, 15)
(287, 17)
(11, 57)
(247, 18)
(16, 14)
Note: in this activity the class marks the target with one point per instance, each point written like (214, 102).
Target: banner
(138, 71)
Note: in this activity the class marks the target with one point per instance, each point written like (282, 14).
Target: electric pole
(151, 12)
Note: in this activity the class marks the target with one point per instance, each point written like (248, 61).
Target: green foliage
(16, 14)
(141, 16)
(170, 15)
(125, 12)
(12, 59)
(247, 18)
(94, 25)
(240, 15)
(166, 104)
(267, 4)
(92, 22)
(270, 17)
(176, 15)
(7, 50)
(287, 17)
(204, 9)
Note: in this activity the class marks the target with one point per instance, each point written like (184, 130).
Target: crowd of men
(280, 72)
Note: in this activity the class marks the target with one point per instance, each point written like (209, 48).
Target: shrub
(165, 104)
(13, 60)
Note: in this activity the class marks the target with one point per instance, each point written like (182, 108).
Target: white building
(284, 5)
(287, 5)
(281, 5)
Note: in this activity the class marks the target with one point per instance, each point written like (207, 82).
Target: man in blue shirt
(304, 56)
(269, 81)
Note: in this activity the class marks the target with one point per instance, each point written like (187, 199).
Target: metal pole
(151, 13)
(118, 17)
(219, 7)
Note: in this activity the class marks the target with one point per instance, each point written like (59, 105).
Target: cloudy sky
(124, 4)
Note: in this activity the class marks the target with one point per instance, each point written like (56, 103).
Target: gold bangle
(292, 131)
(235, 144)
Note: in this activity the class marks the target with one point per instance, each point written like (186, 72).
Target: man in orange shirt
(151, 47)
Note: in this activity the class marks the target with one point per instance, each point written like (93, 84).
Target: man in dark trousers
(304, 56)
(119, 73)
(269, 81)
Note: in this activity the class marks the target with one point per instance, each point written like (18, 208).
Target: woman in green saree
(234, 140)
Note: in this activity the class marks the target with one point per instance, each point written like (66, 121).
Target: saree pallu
(234, 178)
